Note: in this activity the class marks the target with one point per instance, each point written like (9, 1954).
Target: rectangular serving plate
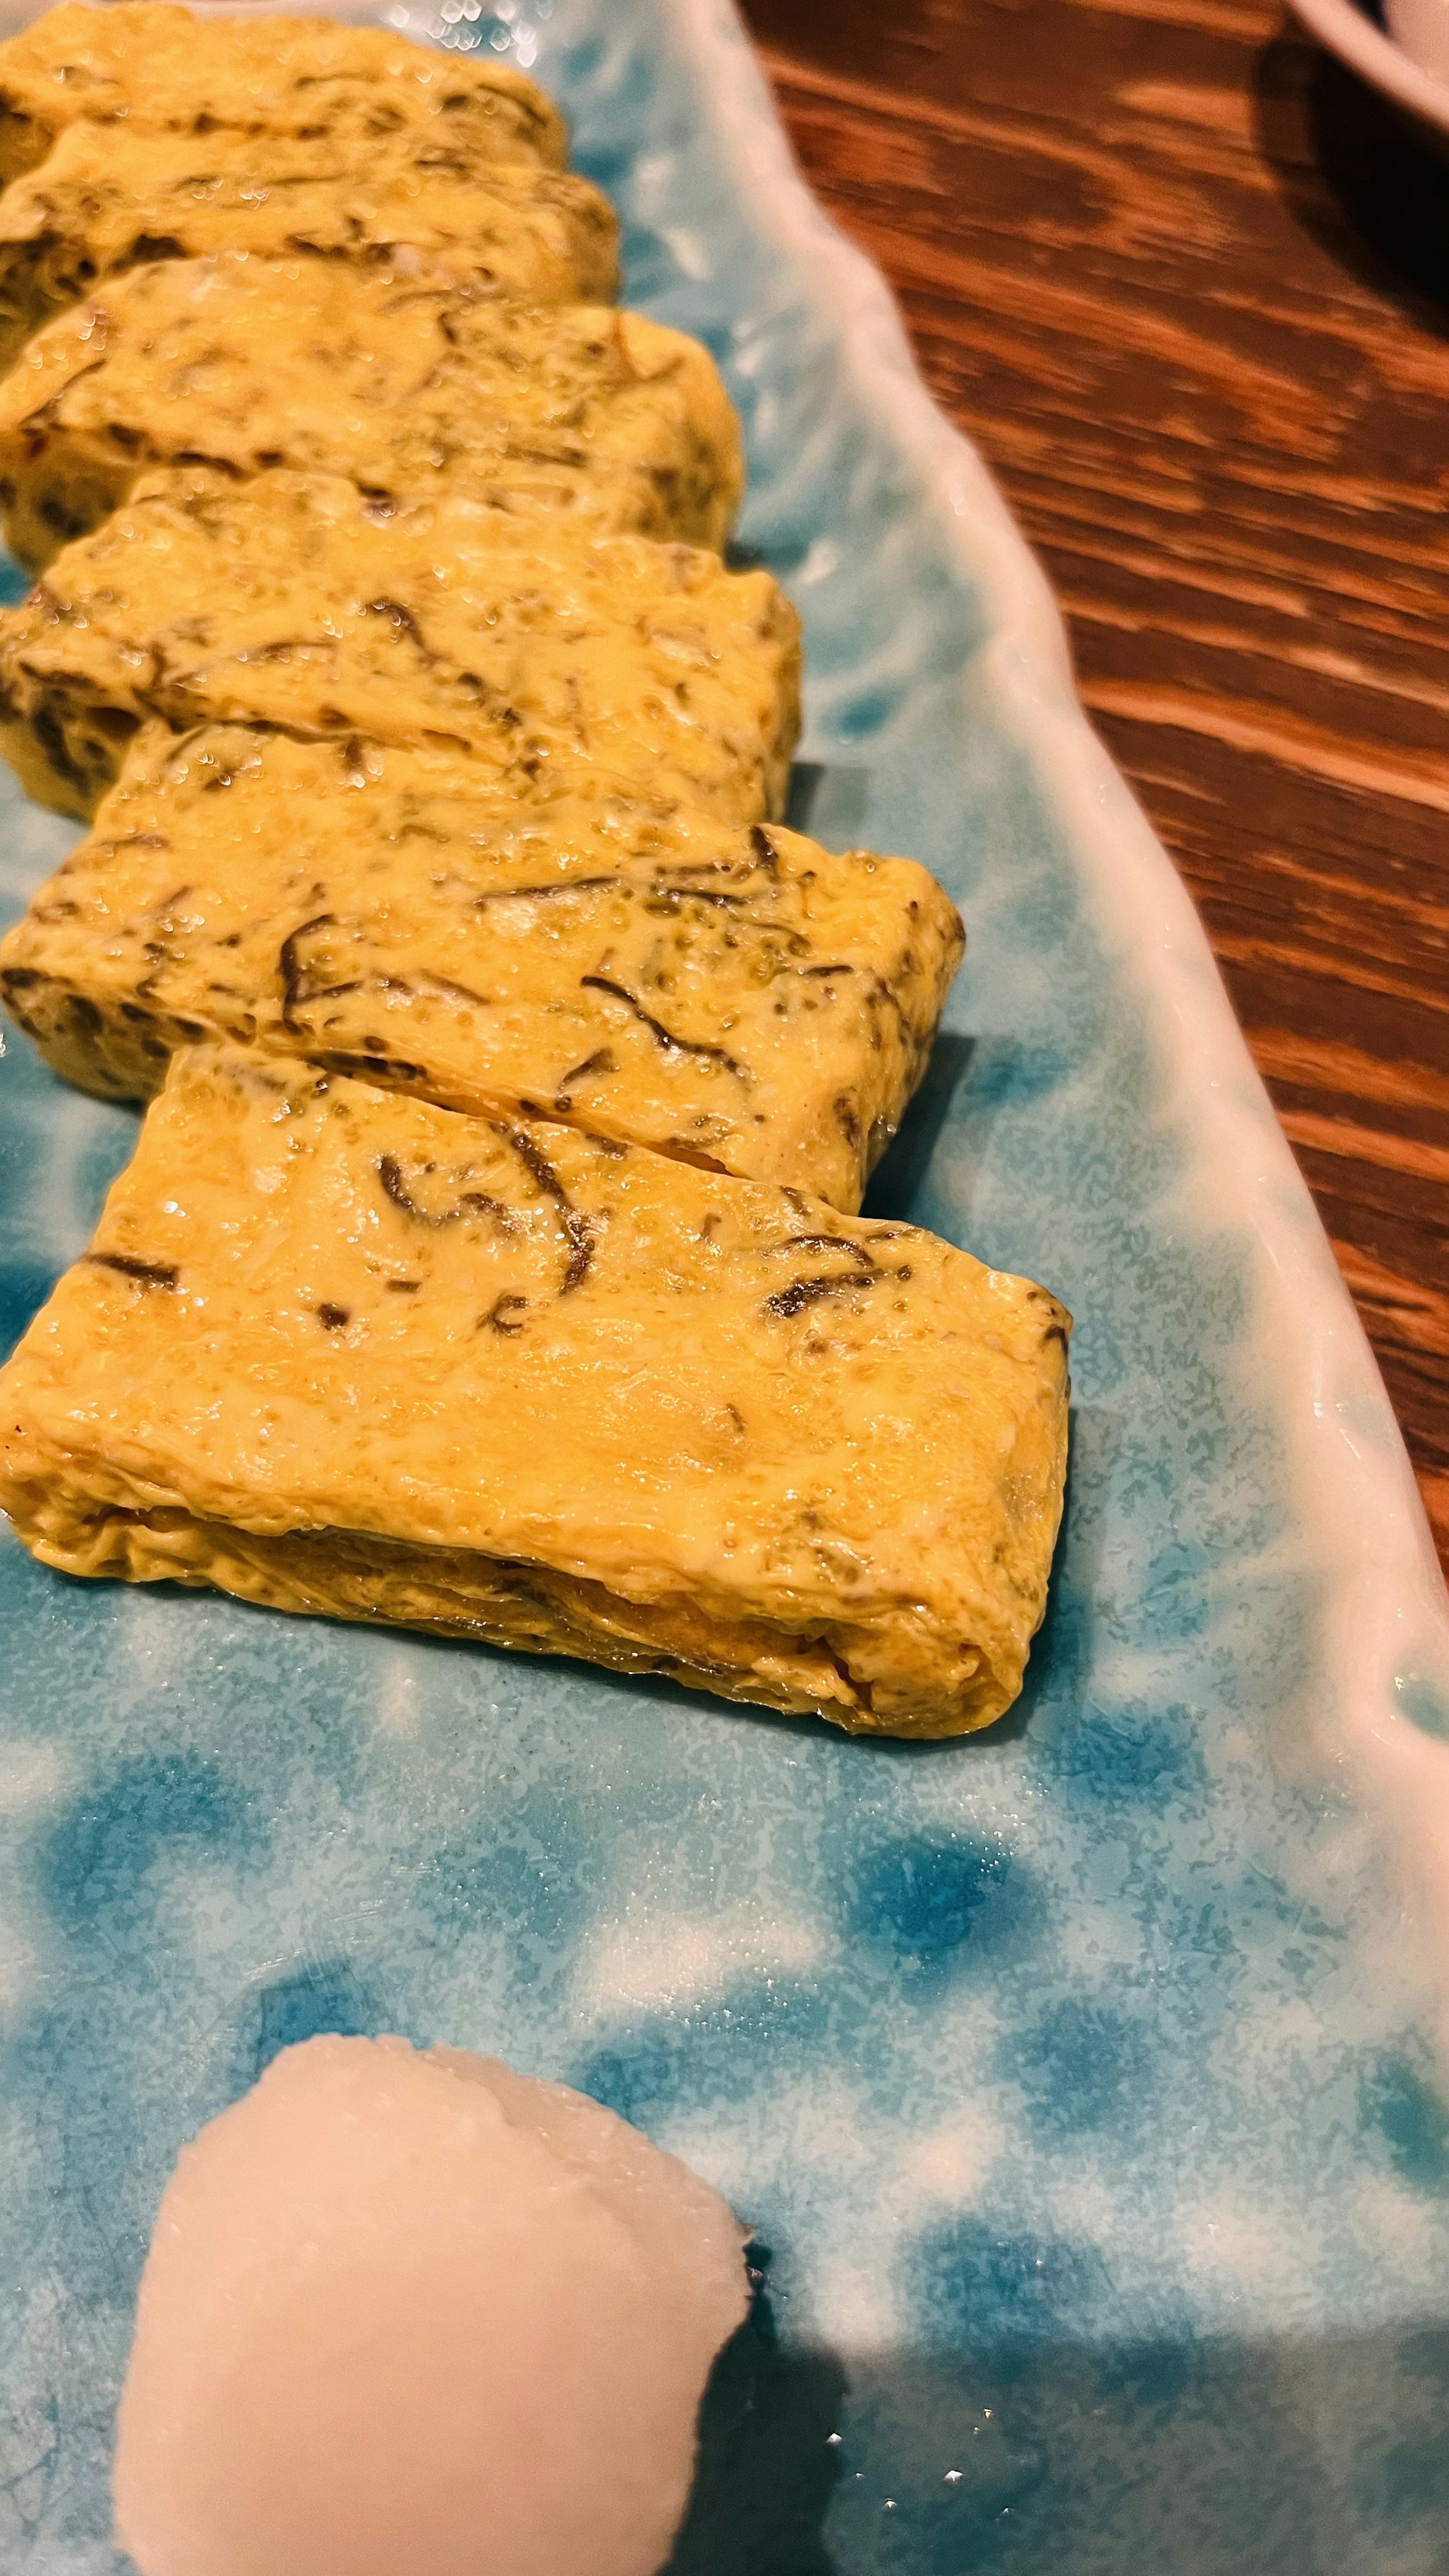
(1085, 2081)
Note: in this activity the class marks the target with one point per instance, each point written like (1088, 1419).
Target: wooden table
(1186, 284)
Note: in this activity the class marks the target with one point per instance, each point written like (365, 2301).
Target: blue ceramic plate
(1084, 2081)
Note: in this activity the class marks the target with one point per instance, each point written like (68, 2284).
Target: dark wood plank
(1186, 283)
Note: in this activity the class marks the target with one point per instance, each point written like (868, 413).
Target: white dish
(1414, 70)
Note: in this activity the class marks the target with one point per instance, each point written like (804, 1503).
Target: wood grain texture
(1186, 284)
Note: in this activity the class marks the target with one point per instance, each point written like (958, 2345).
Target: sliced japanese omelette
(338, 1351)
(739, 997)
(295, 600)
(152, 65)
(113, 197)
(399, 384)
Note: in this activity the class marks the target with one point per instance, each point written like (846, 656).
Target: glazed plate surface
(1085, 2081)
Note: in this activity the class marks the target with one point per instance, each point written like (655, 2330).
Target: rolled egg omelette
(295, 600)
(153, 66)
(404, 385)
(336, 1351)
(112, 197)
(737, 997)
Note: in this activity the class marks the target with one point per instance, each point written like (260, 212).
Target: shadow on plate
(899, 1179)
(767, 2464)
(930, 1174)
(829, 802)
(1172, 2456)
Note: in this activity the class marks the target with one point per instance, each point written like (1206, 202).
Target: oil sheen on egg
(408, 2309)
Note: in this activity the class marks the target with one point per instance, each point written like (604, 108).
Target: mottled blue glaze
(1077, 2078)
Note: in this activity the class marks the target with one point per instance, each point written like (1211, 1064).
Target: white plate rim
(1355, 39)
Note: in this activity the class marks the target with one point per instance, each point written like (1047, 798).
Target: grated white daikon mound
(414, 2315)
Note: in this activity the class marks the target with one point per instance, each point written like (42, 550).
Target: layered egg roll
(149, 65)
(404, 386)
(112, 197)
(334, 1350)
(740, 997)
(295, 600)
